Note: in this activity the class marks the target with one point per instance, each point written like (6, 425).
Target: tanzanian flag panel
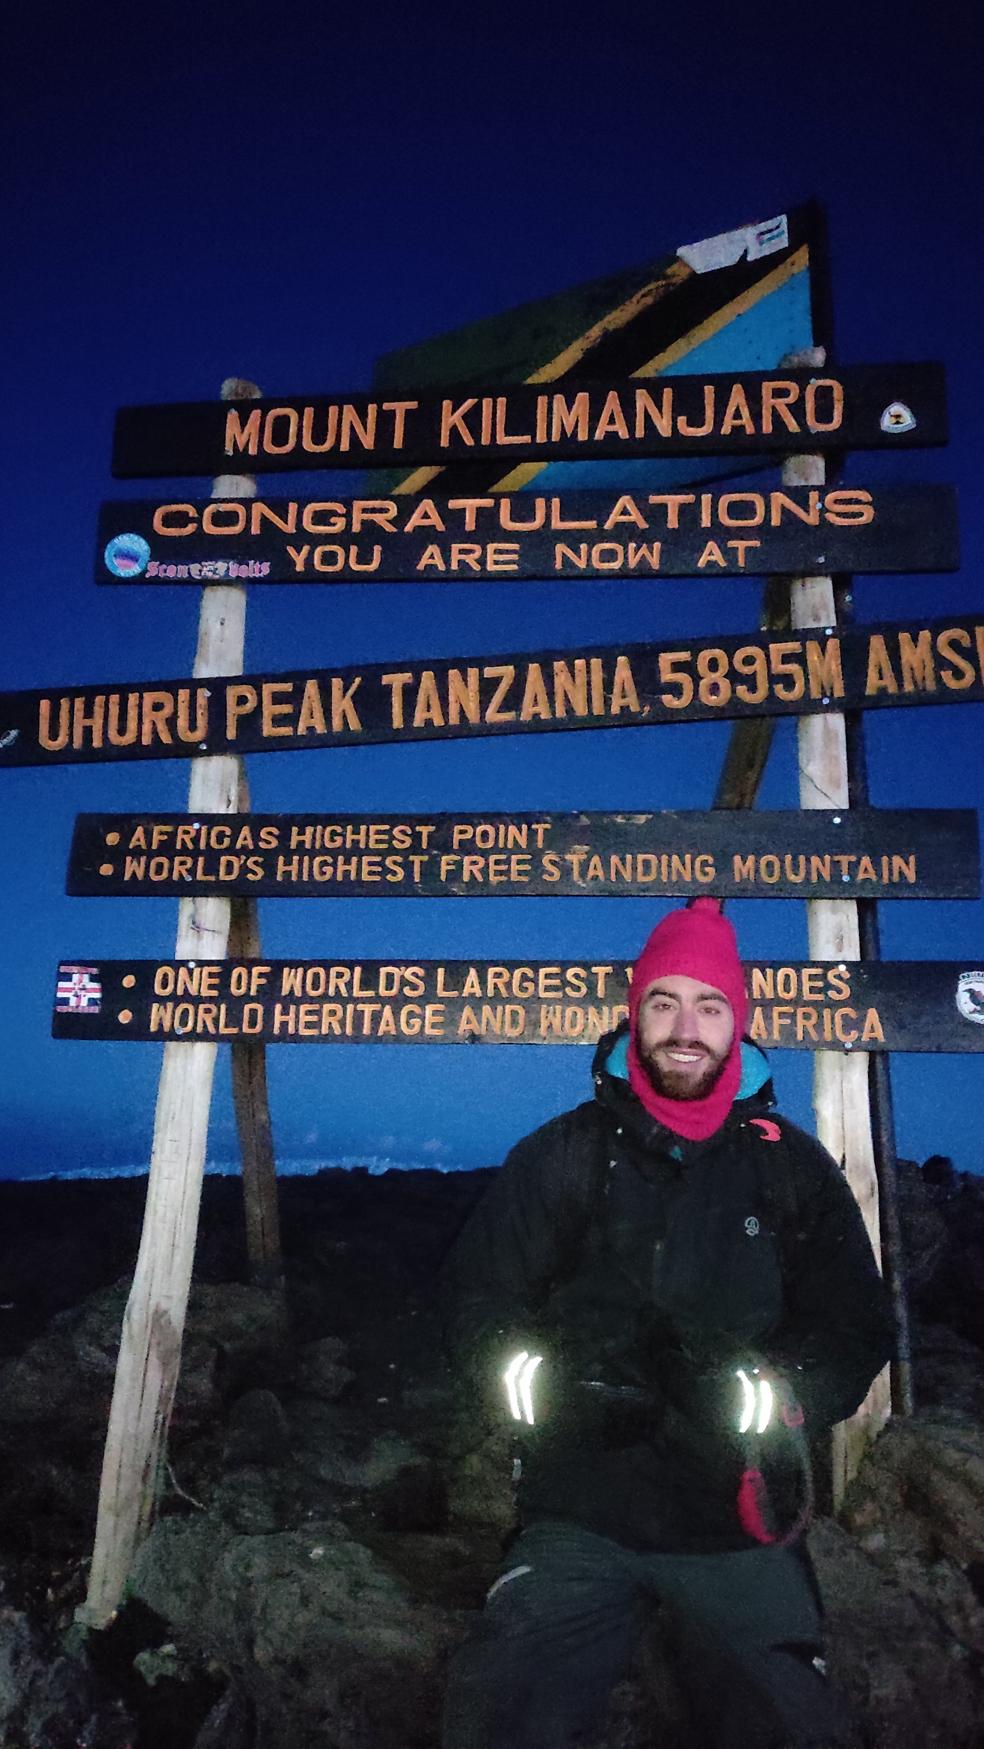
(742, 300)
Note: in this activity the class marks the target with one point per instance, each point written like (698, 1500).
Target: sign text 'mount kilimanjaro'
(858, 407)
(811, 854)
(797, 530)
(868, 1006)
(594, 687)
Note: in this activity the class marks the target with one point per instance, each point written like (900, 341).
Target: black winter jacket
(684, 1271)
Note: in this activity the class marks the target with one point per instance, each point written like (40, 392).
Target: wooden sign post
(153, 1324)
(840, 1082)
(927, 853)
(800, 1005)
(729, 413)
(913, 663)
(251, 1104)
(219, 989)
(526, 535)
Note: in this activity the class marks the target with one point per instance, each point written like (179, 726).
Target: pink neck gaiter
(694, 943)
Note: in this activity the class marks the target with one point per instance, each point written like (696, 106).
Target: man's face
(683, 1035)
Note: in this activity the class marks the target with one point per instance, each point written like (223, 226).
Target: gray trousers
(561, 1621)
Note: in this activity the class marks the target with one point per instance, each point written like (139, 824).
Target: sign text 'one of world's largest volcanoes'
(874, 1005)
(596, 687)
(857, 407)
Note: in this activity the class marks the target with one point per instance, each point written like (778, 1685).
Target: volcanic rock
(333, 1510)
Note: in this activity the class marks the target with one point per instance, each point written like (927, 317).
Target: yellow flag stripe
(416, 481)
(675, 274)
(521, 476)
(640, 300)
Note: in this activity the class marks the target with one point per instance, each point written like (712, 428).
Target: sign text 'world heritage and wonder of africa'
(522, 535)
(866, 1006)
(598, 687)
(734, 853)
(857, 407)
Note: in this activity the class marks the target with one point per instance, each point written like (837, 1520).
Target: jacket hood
(610, 1072)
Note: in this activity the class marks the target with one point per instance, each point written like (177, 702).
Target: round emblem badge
(898, 418)
(127, 555)
(970, 996)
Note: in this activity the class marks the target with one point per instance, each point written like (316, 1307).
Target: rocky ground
(331, 1516)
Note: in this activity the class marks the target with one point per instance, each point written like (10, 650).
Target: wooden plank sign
(597, 687)
(873, 1006)
(525, 534)
(893, 406)
(875, 853)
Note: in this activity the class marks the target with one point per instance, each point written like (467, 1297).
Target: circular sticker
(970, 996)
(127, 555)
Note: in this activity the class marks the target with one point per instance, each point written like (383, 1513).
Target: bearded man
(668, 1290)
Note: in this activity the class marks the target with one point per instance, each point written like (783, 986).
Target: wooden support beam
(880, 1090)
(840, 1081)
(252, 1108)
(751, 737)
(153, 1323)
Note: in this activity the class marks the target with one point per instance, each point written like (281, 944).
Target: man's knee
(556, 1591)
(553, 1638)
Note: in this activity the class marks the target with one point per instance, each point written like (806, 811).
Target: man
(667, 1290)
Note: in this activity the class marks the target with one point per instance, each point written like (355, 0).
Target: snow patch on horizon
(374, 1164)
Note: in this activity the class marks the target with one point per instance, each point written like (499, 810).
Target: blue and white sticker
(970, 996)
(713, 253)
(897, 418)
(127, 555)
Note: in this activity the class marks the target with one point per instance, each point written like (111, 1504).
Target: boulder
(234, 1338)
(49, 1700)
(319, 1635)
(256, 1431)
(924, 1230)
(948, 1371)
(917, 1510)
(940, 1172)
(955, 1294)
(907, 1677)
(321, 1371)
(335, 1508)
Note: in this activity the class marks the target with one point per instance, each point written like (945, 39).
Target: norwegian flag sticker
(78, 990)
(766, 238)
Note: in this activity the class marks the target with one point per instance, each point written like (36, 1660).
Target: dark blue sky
(287, 192)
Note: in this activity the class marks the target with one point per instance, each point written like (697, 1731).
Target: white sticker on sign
(970, 996)
(727, 248)
(898, 418)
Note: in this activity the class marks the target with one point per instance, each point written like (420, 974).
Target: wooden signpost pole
(749, 743)
(153, 1323)
(252, 1108)
(840, 1084)
(882, 1108)
(249, 1079)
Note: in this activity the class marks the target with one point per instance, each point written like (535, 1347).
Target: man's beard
(675, 1084)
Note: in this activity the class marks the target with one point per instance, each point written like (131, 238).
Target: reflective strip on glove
(757, 1401)
(518, 1380)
